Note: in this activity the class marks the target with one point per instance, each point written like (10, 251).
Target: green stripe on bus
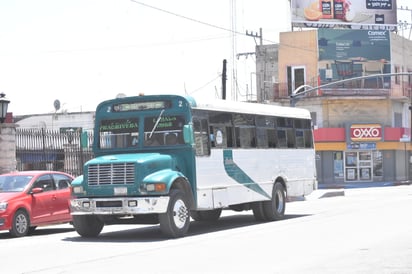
(237, 174)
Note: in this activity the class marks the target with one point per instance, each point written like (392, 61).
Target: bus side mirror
(188, 134)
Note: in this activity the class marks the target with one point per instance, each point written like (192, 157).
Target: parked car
(33, 198)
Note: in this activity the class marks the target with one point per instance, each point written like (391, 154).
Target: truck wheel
(275, 208)
(206, 215)
(21, 224)
(175, 222)
(87, 226)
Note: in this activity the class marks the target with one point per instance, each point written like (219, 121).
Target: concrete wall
(338, 112)
(7, 148)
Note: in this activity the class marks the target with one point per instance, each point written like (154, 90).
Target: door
(42, 202)
(296, 78)
(61, 195)
(358, 166)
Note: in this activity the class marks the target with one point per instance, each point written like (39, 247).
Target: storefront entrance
(363, 166)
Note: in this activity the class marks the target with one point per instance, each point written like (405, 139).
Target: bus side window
(245, 137)
(212, 137)
(262, 137)
(200, 128)
(265, 132)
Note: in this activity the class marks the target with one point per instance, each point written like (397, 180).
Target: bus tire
(275, 208)
(206, 215)
(87, 226)
(175, 222)
(21, 224)
(258, 213)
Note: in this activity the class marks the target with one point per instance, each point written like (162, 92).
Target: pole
(224, 78)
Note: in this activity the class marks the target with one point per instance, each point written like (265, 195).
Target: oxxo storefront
(362, 153)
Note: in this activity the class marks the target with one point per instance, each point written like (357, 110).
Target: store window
(351, 164)
(377, 164)
(338, 164)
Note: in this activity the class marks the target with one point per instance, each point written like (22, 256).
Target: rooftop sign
(359, 14)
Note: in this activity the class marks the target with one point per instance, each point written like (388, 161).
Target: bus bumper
(115, 206)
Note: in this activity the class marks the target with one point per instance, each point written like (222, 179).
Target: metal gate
(42, 149)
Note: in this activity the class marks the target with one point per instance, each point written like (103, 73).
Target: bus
(168, 159)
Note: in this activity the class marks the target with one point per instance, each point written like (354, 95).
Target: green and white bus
(167, 158)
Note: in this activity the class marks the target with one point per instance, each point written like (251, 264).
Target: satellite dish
(56, 105)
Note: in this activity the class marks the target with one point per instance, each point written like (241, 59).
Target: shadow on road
(152, 233)
(39, 232)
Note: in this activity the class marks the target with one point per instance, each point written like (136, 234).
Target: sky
(82, 52)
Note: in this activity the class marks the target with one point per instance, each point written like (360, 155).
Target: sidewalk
(334, 190)
(362, 184)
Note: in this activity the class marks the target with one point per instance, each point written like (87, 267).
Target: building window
(397, 119)
(296, 78)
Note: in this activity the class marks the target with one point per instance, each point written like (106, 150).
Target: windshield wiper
(157, 122)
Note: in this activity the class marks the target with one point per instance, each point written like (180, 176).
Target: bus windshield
(158, 131)
(119, 133)
(163, 130)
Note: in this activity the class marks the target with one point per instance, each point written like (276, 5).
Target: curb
(325, 193)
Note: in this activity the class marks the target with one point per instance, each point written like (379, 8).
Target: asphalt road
(362, 231)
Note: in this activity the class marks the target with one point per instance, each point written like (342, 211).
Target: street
(367, 230)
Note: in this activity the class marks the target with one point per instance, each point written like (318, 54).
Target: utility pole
(224, 78)
(256, 35)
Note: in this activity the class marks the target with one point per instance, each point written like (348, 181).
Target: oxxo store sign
(362, 161)
(365, 132)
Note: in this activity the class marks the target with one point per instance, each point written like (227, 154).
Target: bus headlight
(77, 189)
(156, 187)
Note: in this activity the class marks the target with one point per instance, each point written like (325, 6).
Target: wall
(7, 148)
(55, 121)
(266, 71)
(339, 112)
(298, 48)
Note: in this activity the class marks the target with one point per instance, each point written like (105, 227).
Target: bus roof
(218, 105)
(252, 108)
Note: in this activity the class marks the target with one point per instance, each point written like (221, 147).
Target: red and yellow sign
(365, 132)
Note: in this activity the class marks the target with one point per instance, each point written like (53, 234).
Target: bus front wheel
(87, 225)
(175, 222)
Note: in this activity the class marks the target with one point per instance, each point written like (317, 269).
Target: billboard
(348, 53)
(355, 14)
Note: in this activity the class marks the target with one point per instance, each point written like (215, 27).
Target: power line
(206, 84)
(192, 19)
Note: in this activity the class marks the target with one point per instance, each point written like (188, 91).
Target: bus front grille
(104, 174)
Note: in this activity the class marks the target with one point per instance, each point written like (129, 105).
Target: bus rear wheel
(258, 213)
(175, 222)
(274, 209)
(87, 226)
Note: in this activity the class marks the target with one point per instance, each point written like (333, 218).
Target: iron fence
(53, 150)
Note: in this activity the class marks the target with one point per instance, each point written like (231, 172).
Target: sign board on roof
(354, 14)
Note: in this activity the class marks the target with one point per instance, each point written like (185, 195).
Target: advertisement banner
(347, 53)
(355, 14)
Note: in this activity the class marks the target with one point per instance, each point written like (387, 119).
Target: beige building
(362, 122)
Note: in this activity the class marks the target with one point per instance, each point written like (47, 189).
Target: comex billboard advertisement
(348, 53)
(355, 14)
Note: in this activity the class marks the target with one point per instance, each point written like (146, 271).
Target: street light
(4, 103)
